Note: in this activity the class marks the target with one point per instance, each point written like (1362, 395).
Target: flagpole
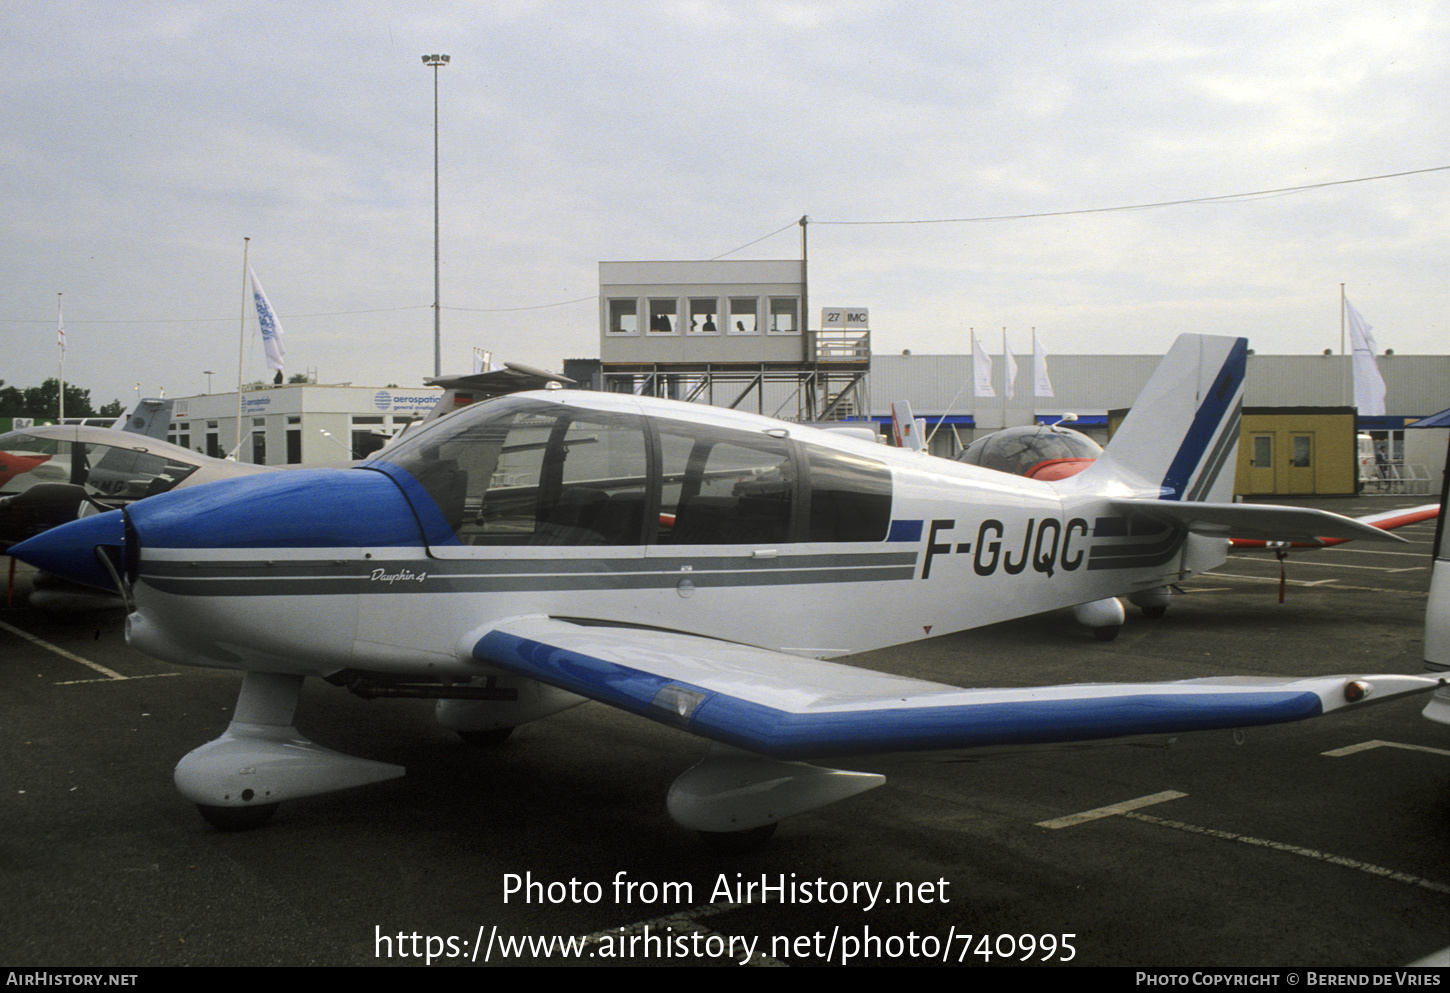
(977, 394)
(1033, 418)
(942, 417)
(1344, 378)
(60, 337)
(1341, 318)
(1006, 386)
(241, 347)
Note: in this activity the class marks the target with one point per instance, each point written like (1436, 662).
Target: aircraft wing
(786, 707)
(1249, 520)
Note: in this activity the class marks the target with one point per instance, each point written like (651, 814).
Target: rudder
(1182, 432)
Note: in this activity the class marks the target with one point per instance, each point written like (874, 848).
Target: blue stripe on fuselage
(904, 531)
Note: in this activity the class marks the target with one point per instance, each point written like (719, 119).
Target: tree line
(43, 401)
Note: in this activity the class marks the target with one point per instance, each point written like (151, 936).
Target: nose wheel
(731, 842)
(491, 738)
(237, 818)
(1104, 617)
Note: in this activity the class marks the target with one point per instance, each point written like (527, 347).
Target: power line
(295, 317)
(213, 320)
(514, 310)
(1223, 198)
(756, 241)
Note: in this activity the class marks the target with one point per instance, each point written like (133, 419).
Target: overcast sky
(144, 141)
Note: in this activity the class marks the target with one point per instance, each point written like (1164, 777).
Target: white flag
(1009, 367)
(981, 370)
(1041, 385)
(267, 320)
(1369, 386)
(59, 332)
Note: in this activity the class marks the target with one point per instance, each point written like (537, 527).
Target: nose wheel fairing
(262, 759)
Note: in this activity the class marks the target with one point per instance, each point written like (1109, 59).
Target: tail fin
(1181, 436)
(905, 429)
(152, 418)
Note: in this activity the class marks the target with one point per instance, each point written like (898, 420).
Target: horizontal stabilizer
(787, 707)
(1245, 520)
(1388, 520)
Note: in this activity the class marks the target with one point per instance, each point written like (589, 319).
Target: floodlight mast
(436, 62)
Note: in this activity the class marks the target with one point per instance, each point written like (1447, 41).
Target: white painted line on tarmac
(1376, 551)
(1336, 584)
(1321, 564)
(108, 673)
(149, 675)
(1275, 579)
(1110, 811)
(1365, 746)
(1279, 846)
(111, 674)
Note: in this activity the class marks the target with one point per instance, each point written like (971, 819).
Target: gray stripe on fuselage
(1133, 555)
(327, 577)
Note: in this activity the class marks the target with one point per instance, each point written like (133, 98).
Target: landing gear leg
(237, 780)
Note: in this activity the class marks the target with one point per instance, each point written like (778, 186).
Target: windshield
(106, 472)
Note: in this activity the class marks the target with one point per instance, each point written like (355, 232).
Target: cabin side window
(850, 497)
(537, 473)
(724, 487)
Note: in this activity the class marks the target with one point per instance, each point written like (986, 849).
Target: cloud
(147, 140)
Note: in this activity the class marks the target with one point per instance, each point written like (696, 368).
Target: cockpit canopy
(1022, 450)
(108, 472)
(521, 470)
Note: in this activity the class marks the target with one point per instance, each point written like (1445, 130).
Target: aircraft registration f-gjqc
(696, 566)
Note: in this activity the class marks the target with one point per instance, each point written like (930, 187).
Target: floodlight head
(435, 60)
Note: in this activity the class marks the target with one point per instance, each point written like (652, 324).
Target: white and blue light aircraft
(700, 567)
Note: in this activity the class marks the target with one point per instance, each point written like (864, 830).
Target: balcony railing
(842, 345)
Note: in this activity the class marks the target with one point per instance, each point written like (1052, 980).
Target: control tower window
(704, 315)
(623, 317)
(784, 315)
(662, 316)
(744, 315)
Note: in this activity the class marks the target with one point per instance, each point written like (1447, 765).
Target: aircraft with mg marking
(696, 566)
